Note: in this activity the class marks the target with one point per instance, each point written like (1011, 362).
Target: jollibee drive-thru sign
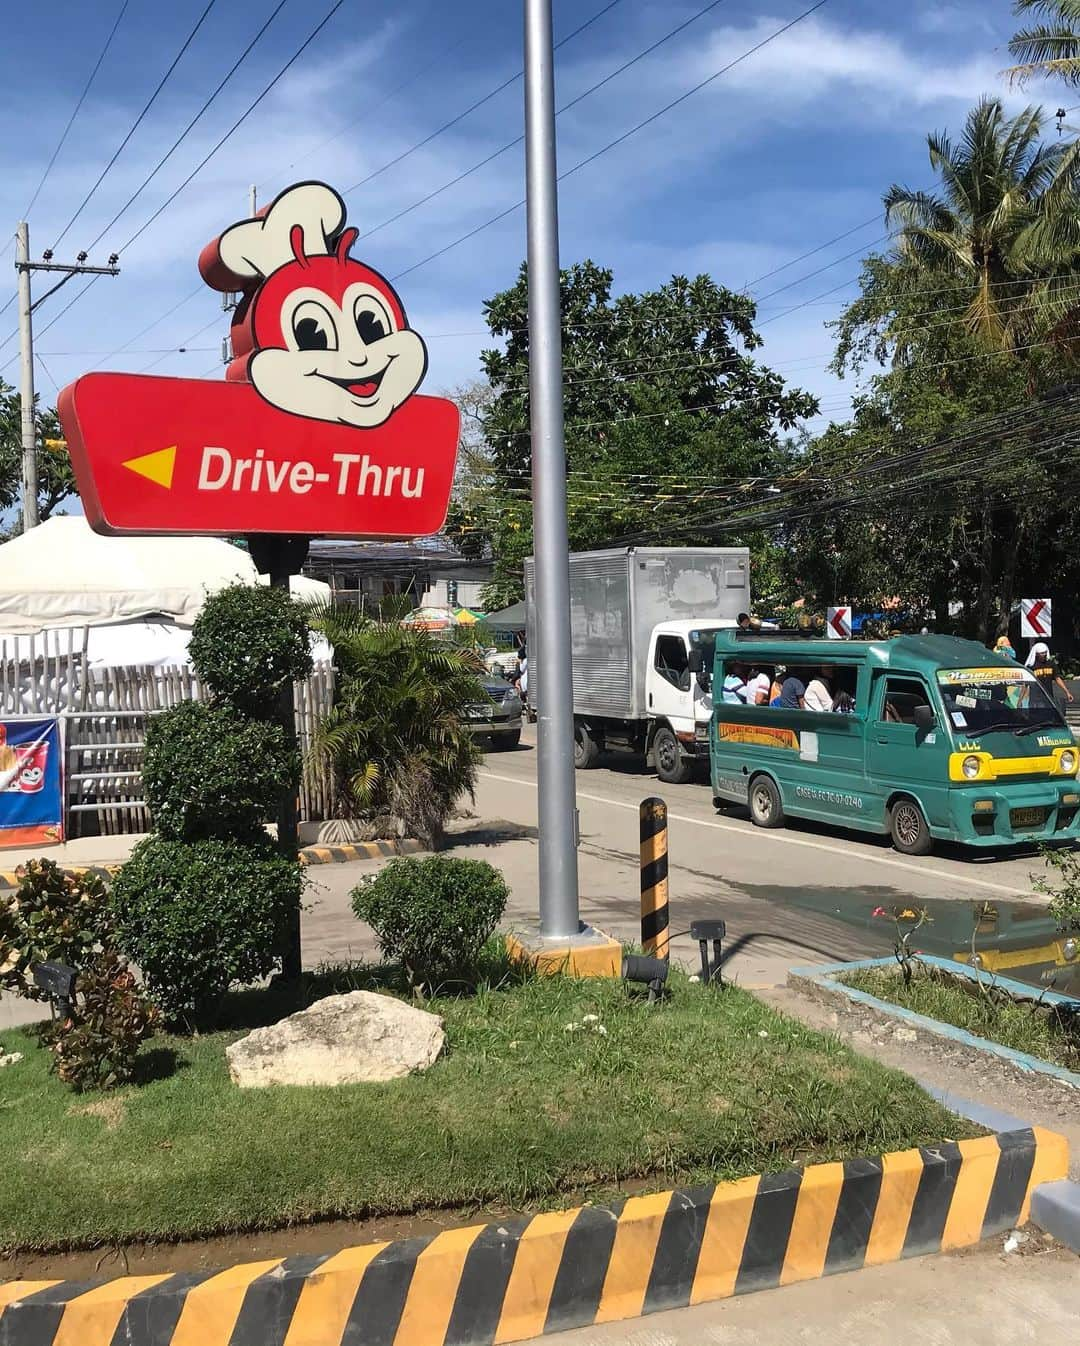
(317, 430)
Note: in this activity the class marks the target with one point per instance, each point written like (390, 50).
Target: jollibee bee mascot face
(324, 336)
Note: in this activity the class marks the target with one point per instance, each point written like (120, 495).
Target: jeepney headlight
(971, 766)
(1067, 761)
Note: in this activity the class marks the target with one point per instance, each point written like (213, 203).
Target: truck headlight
(701, 731)
(971, 766)
(1067, 761)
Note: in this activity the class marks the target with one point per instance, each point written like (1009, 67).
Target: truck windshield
(984, 700)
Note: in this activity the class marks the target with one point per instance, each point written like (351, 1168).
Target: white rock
(359, 1038)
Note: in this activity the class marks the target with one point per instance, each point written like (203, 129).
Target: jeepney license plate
(1027, 817)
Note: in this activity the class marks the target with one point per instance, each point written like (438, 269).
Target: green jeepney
(942, 739)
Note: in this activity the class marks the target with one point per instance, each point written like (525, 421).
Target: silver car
(496, 714)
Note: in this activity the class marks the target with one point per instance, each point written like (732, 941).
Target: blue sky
(789, 149)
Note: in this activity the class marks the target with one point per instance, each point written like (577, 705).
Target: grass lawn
(1037, 1030)
(521, 1112)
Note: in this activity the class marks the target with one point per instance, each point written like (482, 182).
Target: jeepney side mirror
(696, 665)
(924, 717)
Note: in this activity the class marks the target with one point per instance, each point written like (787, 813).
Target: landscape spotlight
(650, 972)
(706, 932)
(58, 982)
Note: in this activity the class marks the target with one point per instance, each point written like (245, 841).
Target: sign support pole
(559, 909)
(280, 557)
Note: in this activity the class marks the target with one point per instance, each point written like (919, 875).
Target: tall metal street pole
(26, 383)
(24, 266)
(558, 824)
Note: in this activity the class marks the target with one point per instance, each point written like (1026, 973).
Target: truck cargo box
(617, 597)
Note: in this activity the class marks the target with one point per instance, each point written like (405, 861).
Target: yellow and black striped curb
(500, 1283)
(9, 878)
(360, 850)
(309, 855)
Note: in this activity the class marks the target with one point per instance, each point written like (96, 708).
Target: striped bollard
(654, 877)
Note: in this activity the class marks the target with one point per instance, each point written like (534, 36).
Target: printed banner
(31, 783)
(760, 735)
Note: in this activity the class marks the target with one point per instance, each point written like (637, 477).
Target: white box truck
(643, 620)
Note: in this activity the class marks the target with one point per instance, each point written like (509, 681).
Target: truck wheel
(504, 742)
(671, 767)
(907, 826)
(766, 806)
(586, 748)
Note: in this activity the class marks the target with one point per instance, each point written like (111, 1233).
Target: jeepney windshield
(704, 639)
(984, 700)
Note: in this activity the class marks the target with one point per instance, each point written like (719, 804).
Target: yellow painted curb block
(491, 1284)
(598, 957)
(360, 850)
(309, 855)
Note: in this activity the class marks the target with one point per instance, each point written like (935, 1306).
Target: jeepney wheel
(586, 748)
(671, 766)
(907, 826)
(766, 806)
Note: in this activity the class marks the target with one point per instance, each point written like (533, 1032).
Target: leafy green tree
(397, 738)
(56, 481)
(1005, 225)
(1050, 49)
(941, 494)
(941, 490)
(667, 417)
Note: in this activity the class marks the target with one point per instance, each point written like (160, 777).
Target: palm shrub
(1004, 226)
(397, 739)
(1049, 47)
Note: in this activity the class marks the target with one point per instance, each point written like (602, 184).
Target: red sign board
(157, 455)
(317, 430)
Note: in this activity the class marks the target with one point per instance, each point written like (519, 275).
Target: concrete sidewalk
(77, 854)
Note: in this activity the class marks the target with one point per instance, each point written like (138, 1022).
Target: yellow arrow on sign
(156, 467)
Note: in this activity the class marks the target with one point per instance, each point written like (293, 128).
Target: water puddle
(1014, 939)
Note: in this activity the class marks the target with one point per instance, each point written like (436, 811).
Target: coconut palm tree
(397, 739)
(1006, 225)
(1050, 49)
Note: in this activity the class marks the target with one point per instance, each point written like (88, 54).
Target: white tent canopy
(63, 574)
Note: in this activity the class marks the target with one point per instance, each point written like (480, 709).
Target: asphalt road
(802, 894)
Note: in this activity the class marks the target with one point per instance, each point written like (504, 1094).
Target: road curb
(522, 1278)
(309, 855)
(9, 878)
(359, 850)
(823, 979)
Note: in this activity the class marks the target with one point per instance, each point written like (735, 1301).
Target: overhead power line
(493, 93)
(78, 106)
(206, 159)
(439, 61)
(187, 129)
(138, 120)
(236, 124)
(468, 172)
(619, 140)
